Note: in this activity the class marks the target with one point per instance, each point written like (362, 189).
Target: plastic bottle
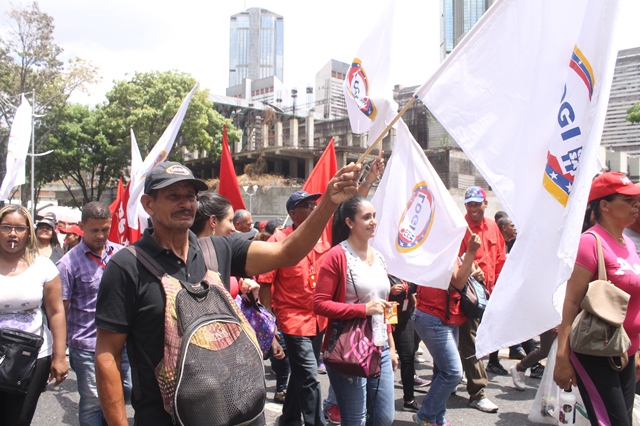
(566, 412)
(379, 329)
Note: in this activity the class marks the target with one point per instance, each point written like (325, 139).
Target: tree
(633, 113)
(148, 102)
(30, 61)
(84, 155)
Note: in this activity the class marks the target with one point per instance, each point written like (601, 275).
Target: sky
(125, 36)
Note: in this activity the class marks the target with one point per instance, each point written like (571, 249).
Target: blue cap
(475, 194)
(298, 197)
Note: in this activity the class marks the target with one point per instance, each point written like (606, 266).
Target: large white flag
(525, 96)
(158, 154)
(419, 226)
(367, 91)
(19, 138)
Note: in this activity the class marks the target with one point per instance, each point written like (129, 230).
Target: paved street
(60, 406)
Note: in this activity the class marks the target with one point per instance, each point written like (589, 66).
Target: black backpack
(473, 298)
(212, 371)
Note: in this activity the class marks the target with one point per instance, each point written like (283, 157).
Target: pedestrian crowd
(104, 306)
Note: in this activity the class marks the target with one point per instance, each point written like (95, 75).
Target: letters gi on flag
(19, 138)
(158, 154)
(525, 96)
(367, 91)
(229, 187)
(419, 225)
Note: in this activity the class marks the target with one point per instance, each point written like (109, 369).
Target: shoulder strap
(147, 261)
(209, 253)
(602, 271)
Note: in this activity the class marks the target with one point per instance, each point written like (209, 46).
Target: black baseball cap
(300, 196)
(169, 172)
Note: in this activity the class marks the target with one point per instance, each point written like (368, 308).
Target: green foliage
(633, 113)
(148, 102)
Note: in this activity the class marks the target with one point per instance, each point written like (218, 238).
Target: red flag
(228, 181)
(120, 232)
(325, 169)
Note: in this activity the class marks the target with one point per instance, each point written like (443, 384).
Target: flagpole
(33, 151)
(384, 132)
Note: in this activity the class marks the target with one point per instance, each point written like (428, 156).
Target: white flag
(419, 226)
(525, 96)
(158, 154)
(367, 91)
(19, 139)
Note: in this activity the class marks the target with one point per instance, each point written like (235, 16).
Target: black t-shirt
(131, 301)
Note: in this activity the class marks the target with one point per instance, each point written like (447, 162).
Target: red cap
(262, 224)
(610, 183)
(73, 229)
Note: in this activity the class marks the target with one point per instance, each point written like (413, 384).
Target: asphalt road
(59, 406)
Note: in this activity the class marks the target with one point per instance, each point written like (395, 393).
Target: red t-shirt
(433, 301)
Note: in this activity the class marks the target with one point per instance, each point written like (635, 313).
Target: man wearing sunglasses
(289, 291)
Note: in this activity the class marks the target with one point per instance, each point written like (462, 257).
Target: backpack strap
(147, 261)
(209, 253)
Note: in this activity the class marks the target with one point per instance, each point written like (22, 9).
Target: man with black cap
(130, 305)
(292, 302)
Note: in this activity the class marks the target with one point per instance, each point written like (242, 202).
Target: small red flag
(120, 232)
(325, 169)
(228, 181)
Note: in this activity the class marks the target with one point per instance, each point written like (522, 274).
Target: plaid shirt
(80, 272)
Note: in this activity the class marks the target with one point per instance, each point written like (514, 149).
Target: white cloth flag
(158, 154)
(419, 226)
(19, 138)
(525, 96)
(367, 91)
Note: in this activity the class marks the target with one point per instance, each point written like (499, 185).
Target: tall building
(329, 95)
(618, 133)
(457, 17)
(256, 46)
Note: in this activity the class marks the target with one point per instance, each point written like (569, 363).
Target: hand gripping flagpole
(384, 132)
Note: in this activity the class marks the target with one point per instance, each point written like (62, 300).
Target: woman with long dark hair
(29, 287)
(214, 216)
(607, 394)
(353, 283)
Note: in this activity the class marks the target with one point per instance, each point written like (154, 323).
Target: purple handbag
(350, 349)
(261, 320)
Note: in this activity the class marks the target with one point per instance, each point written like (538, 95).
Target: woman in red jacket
(352, 283)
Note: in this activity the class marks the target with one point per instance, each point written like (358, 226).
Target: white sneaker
(484, 405)
(518, 378)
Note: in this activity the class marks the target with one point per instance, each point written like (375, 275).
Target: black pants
(608, 395)
(404, 338)
(18, 409)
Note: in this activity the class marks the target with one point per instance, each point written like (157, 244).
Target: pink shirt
(623, 270)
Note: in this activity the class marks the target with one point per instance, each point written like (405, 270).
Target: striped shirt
(80, 272)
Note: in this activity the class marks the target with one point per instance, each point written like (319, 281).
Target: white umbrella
(63, 213)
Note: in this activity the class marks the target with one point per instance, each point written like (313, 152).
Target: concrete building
(270, 90)
(329, 94)
(618, 133)
(256, 46)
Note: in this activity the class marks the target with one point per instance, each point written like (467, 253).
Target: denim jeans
(442, 342)
(281, 366)
(303, 395)
(365, 401)
(83, 363)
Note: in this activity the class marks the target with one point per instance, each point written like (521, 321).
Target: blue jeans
(365, 401)
(83, 363)
(442, 342)
(303, 394)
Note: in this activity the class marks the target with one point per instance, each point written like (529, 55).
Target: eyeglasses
(6, 229)
(307, 205)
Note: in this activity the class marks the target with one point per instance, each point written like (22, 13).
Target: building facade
(618, 133)
(457, 17)
(256, 46)
(330, 104)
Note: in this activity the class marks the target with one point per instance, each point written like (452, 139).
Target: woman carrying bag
(29, 283)
(352, 283)
(608, 393)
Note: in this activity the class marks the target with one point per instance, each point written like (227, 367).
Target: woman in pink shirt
(607, 394)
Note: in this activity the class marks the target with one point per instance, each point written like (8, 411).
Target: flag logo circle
(358, 87)
(416, 220)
